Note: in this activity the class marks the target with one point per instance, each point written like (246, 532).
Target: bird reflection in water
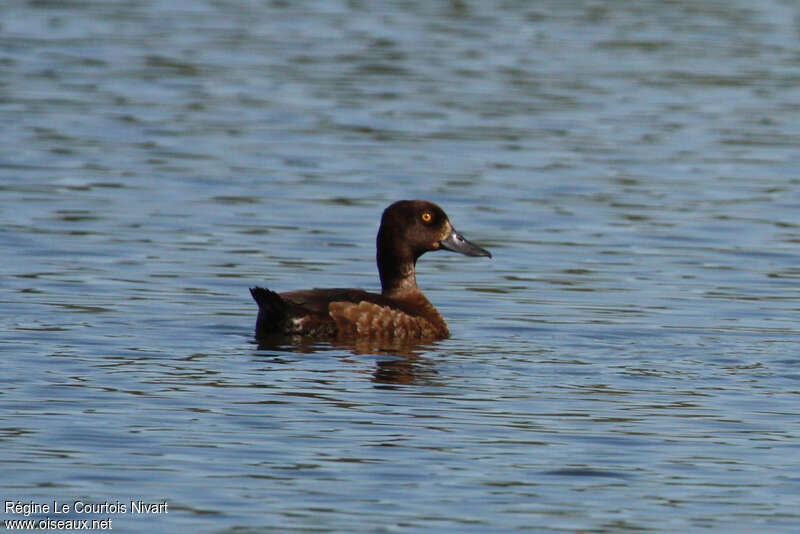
(406, 366)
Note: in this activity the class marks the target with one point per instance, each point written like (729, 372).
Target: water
(626, 362)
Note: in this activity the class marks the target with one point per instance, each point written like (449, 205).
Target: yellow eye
(426, 216)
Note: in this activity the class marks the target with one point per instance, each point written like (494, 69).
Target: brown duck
(409, 228)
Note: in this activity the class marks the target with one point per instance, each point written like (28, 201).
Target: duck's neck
(397, 272)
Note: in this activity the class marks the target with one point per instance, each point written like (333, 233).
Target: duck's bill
(457, 243)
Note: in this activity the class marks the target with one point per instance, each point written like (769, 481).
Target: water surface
(626, 362)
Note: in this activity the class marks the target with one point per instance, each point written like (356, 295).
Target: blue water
(626, 362)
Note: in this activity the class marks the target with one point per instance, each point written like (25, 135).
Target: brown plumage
(409, 228)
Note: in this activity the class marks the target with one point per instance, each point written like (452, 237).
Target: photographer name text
(53, 510)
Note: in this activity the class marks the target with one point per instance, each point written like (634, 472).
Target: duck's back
(346, 313)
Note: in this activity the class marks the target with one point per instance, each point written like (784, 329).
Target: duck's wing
(319, 300)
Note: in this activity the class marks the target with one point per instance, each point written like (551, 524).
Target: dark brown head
(410, 228)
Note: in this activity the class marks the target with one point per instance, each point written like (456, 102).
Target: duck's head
(410, 228)
(422, 226)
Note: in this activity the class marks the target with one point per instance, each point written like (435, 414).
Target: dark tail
(272, 311)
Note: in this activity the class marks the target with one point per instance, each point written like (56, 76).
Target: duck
(399, 313)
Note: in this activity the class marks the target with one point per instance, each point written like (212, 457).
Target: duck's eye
(426, 216)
